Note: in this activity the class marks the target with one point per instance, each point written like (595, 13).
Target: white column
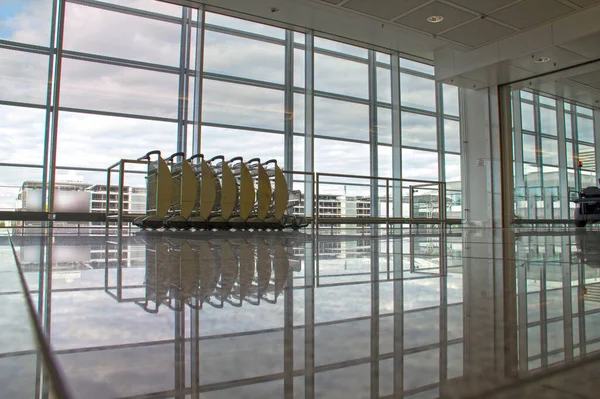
(482, 186)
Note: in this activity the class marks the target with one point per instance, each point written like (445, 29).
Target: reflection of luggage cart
(587, 206)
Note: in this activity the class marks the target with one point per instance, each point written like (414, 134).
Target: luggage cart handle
(177, 154)
(221, 157)
(235, 159)
(253, 160)
(270, 161)
(147, 156)
(195, 156)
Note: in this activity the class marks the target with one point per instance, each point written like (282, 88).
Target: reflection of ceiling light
(541, 60)
(434, 19)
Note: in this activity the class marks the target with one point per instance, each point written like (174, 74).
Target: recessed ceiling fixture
(434, 19)
(541, 60)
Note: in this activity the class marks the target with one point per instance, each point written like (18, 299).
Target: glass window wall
(129, 83)
(546, 175)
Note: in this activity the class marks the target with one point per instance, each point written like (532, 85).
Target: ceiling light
(434, 19)
(541, 60)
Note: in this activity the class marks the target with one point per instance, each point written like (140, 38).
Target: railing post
(120, 197)
(107, 198)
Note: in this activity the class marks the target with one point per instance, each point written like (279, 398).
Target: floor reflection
(424, 314)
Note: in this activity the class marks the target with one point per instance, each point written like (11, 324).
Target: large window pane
(343, 48)
(585, 129)
(453, 168)
(417, 92)
(299, 66)
(23, 76)
(570, 158)
(336, 75)
(384, 125)
(134, 137)
(529, 154)
(97, 31)
(548, 121)
(419, 165)
(587, 156)
(384, 163)
(384, 85)
(22, 135)
(103, 87)
(568, 126)
(527, 117)
(416, 66)
(153, 6)
(452, 135)
(233, 143)
(237, 56)
(341, 119)
(334, 156)
(549, 152)
(242, 105)
(243, 25)
(12, 180)
(419, 131)
(26, 22)
(450, 100)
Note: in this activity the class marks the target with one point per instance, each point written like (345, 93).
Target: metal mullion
(343, 56)
(318, 136)
(237, 127)
(288, 122)
(396, 134)
(562, 160)
(53, 131)
(186, 76)
(410, 147)
(567, 301)
(433, 114)
(596, 125)
(183, 49)
(373, 134)
(543, 318)
(310, 250)
(243, 81)
(27, 48)
(116, 61)
(49, 104)
(126, 10)
(379, 64)
(518, 141)
(24, 105)
(118, 114)
(341, 97)
(441, 147)
(385, 105)
(309, 133)
(374, 330)
(244, 34)
(416, 73)
(198, 82)
(522, 319)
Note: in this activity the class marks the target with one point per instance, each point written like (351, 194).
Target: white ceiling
(469, 23)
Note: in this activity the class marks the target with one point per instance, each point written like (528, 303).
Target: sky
(86, 140)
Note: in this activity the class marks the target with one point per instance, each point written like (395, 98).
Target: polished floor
(416, 313)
